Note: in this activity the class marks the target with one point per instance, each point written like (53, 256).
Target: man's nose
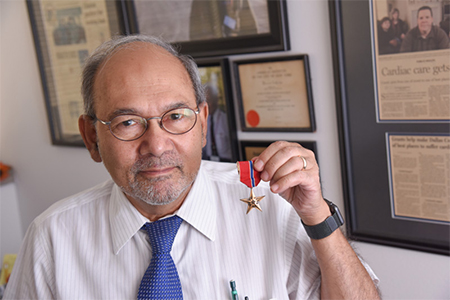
(155, 140)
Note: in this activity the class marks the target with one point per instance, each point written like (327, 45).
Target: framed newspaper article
(213, 28)
(221, 139)
(275, 94)
(250, 149)
(418, 176)
(65, 32)
(392, 103)
(412, 67)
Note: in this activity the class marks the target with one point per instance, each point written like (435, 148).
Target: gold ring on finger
(304, 163)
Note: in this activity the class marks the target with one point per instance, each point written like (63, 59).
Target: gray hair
(107, 49)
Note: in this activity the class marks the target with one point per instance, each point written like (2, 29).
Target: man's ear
(89, 135)
(203, 115)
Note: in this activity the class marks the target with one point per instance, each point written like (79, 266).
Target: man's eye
(175, 116)
(127, 123)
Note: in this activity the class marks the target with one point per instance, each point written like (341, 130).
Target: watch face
(338, 214)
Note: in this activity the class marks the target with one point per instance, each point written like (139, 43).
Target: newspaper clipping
(412, 60)
(420, 176)
(73, 29)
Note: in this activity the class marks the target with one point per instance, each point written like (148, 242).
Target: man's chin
(153, 196)
(161, 190)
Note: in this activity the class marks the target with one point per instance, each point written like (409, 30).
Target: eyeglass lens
(131, 127)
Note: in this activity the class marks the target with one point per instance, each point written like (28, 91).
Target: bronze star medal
(250, 178)
(252, 201)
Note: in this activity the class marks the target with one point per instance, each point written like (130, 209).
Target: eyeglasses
(131, 127)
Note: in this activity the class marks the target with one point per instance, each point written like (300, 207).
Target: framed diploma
(213, 28)
(221, 140)
(274, 94)
(250, 149)
(65, 32)
(395, 165)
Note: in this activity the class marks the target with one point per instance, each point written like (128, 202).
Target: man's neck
(424, 33)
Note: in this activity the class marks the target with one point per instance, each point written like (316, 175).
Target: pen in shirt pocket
(234, 294)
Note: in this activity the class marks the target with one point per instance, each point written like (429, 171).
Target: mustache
(163, 161)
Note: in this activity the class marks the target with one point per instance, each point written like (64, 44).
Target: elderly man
(169, 226)
(425, 36)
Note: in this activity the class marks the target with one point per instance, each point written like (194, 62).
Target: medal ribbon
(248, 175)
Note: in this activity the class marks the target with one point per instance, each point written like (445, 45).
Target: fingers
(284, 164)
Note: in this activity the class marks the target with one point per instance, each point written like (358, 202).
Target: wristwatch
(327, 227)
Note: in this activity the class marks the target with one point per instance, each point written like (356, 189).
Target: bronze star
(253, 201)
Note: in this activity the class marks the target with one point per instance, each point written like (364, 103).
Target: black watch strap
(327, 227)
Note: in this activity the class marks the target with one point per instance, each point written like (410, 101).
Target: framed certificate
(221, 144)
(65, 33)
(213, 28)
(250, 149)
(274, 94)
(395, 174)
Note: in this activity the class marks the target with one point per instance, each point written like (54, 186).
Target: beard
(161, 190)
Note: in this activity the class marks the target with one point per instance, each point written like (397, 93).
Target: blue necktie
(161, 279)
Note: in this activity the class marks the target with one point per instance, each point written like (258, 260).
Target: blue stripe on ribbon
(251, 174)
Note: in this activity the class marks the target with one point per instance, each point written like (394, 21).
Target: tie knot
(162, 233)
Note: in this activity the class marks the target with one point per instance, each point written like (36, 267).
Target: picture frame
(64, 34)
(250, 149)
(275, 94)
(213, 28)
(221, 142)
(366, 153)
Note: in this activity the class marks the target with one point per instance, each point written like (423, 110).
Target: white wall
(45, 173)
(10, 226)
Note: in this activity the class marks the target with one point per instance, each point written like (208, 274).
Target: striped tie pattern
(161, 279)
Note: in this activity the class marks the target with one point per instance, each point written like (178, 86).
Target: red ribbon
(248, 175)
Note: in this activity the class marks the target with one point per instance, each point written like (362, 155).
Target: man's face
(424, 21)
(159, 167)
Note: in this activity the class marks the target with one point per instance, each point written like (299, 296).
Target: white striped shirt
(90, 246)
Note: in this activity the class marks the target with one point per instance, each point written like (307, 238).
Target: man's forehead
(138, 60)
(425, 12)
(139, 69)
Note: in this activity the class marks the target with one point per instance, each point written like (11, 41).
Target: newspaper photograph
(412, 60)
(419, 172)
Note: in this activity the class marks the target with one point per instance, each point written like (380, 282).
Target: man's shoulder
(439, 32)
(77, 202)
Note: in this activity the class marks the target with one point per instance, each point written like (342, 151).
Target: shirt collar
(125, 220)
(198, 210)
(430, 35)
